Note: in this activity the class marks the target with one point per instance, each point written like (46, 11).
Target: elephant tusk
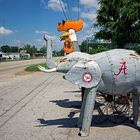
(47, 70)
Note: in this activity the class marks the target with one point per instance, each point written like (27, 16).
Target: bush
(134, 46)
(34, 68)
(99, 48)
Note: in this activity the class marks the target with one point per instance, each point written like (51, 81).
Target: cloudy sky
(26, 21)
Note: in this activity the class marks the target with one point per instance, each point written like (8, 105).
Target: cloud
(86, 25)
(16, 41)
(39, 40)
(86, 32)
(56, 44)
(91, 15)
(4, 31)
(55, 5)
(41, 32)
(89, 3)
(53, 37)
(76, 9)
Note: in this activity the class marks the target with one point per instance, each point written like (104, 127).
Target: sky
(26, 21)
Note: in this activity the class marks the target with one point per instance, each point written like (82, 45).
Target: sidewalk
(39, 108)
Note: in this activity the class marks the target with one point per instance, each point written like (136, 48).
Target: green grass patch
(34, 68)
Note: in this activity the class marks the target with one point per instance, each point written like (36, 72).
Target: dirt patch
(21, 73)
(14, 77)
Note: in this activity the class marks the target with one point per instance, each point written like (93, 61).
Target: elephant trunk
(47, 70)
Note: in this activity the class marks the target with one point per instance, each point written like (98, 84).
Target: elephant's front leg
(79, 124)
(88, 111)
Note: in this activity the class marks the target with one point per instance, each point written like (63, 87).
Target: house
(4, 56)
(14, 56)
(0, 55)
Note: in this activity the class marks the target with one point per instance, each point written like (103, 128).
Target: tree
(119, 20)
(14, 49)
(43, 50)
(5, 49)
(31, 49)
(84, 46)
(59, 53)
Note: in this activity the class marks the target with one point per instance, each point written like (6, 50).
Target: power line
(69, 15)
(78, 9)
(63, 9)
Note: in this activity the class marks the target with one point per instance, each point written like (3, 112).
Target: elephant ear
(85, 74)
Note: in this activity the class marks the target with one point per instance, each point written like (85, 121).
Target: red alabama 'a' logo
(122, 69)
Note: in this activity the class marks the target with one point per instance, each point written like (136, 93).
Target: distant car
(25, 56)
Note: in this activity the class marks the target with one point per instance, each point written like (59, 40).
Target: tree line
(28, 48)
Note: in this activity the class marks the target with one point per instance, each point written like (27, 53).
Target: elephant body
(120, 71)
(115, 72)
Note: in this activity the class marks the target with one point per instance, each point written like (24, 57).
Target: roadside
(12, 72)
(39, 106)
(8, 66)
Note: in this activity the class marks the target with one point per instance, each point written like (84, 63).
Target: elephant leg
(136, 115)
(82, 110)
(82, 92)
(88, 111)
(138, 123)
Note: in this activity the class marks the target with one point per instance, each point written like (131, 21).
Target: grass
(34, 68)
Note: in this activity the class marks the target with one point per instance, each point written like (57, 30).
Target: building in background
(14, 56)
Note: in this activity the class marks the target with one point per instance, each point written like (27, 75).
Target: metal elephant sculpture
(114, 72)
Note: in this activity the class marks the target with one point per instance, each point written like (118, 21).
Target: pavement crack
(22, 99)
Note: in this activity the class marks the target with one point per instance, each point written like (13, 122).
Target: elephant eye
(69, 60)
(64, 60)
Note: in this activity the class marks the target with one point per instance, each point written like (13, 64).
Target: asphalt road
(13, 65)
(39, 106)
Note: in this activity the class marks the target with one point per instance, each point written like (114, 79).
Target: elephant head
(80, 69)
